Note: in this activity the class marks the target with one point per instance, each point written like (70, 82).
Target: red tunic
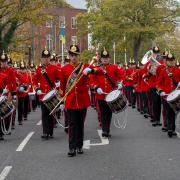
(129, 79)
(11, 78)
(100, 81)
(40, 81)
(165, 83)
(78, 97)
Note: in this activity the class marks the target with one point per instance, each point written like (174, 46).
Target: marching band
(152, 86)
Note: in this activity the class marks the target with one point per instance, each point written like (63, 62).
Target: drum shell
(6, 108)
(119, 104)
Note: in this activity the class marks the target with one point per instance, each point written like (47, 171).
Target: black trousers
(106, 115)
(76, 118)
(1, 133)
(23, 103)
(169, 116)
(155, 105)
(131, 95)
(144, 99)
(47, 121)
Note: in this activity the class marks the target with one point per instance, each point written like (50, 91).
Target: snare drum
(51, 100)
(174, 100)
(6, 107)
(117, 101)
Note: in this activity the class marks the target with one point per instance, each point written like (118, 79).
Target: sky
(77, 3)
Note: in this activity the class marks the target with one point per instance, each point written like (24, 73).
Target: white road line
(5, 172)
(178, 134)
(39, 123)
(24, 142)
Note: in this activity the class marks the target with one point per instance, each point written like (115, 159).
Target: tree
(14, 14)
(140, 21)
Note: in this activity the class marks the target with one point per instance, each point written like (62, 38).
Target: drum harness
(45, 75)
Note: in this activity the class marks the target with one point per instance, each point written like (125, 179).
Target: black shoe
(145, 116)
(44, 136)
(174, 133)
(9, 133)
(142, 112)
(164, 129)
(152, 121)
(25, 119)
(51, 136)
(170, 134)
(20, 123)
(1, 138)
(133, 106)
(138, 109)
(72, 153)
(80, 151)
(104, 134)
(13, 127)
(109, 135)
(129, 104)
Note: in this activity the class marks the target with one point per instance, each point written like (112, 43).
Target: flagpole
(114, 48)
(62, 46)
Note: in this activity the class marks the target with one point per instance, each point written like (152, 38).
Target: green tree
(14, 14)
(140, 21)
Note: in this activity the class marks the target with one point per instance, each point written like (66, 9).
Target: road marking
(24, 142)
(5, 172)
(178, 134)
(39, 123)
(104, 141)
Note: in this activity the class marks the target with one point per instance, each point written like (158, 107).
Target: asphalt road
(139, 152)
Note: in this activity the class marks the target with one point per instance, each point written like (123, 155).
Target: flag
(62, 35)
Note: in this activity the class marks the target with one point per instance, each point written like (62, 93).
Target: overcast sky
(77, 3)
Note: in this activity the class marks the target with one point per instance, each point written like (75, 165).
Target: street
(139, 152)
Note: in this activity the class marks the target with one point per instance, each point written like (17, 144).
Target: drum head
(113, 95)
(49, 95)
(173, 96)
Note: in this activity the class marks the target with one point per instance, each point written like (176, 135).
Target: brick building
(48, 34)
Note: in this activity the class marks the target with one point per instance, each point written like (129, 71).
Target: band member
(129, 83)
(169, 80)
(22, 93)
(44, 81)
(107, 78)
(153, 98)
(11, 87)
(74, 90)
(3, 91)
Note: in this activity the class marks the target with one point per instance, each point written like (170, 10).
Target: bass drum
(174, 100)
(117, 101)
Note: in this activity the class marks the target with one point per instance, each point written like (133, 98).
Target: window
(49, 24)
(74, 23)
(74, 40)
(61, 21)
(49, 42)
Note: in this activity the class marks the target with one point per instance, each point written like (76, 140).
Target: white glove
(120, 86)
(30, 86)
(178, 86)
(5, 91)
(57, 84)
(86, 71)
(21, 89)
(39, 92)
(14, 97)
(162, 94)
(99, 91)
(62, 107)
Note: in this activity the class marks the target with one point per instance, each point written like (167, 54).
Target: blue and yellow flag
(62, 35)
